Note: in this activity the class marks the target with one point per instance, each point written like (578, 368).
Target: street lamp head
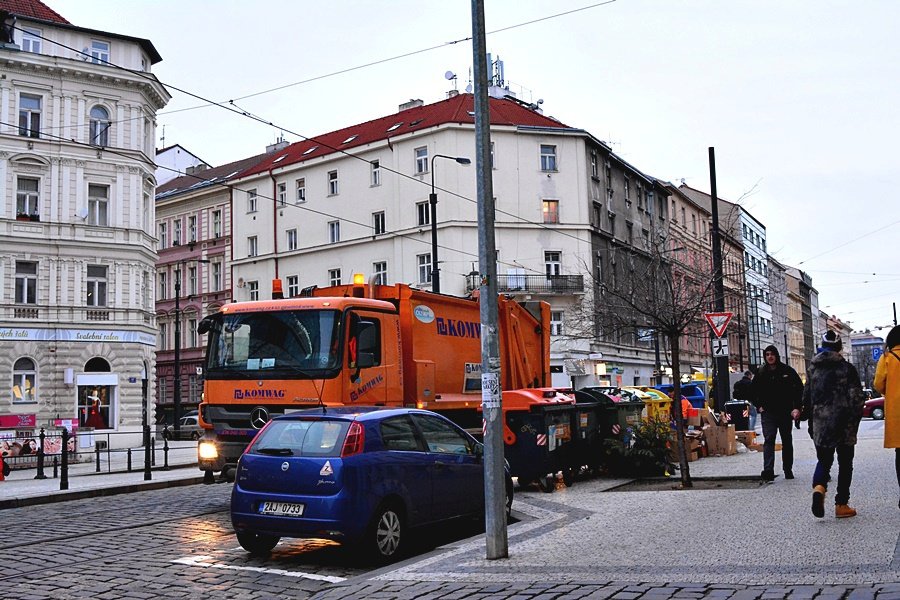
(463, 160)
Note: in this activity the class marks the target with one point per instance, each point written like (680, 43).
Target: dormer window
(99, 52)
(350, 139)
(310, 150)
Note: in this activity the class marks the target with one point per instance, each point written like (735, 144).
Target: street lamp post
(176, 399)
(432, 199)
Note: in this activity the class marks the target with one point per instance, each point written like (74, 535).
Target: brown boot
(818, 501)
(842, 511)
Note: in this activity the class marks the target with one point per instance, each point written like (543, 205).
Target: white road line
(199, 561)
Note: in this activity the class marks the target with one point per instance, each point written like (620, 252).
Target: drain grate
(700, 483)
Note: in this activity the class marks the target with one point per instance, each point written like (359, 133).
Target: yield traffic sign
(718, 321)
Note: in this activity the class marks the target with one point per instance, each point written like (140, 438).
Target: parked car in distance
(188, 429)
(691, 391)
(361, 476)
(874, 408)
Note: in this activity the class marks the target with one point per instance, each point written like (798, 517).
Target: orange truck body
(430, 357)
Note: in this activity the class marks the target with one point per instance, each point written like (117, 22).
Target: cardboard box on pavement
(721, 439)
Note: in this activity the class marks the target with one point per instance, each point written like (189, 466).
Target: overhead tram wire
(231, 107)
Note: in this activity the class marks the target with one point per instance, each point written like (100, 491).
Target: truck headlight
(207, 451)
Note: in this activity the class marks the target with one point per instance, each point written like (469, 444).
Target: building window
(378, 223)
(552, 263)
(550, 209)
(595, 172)
(216, 276)
(612, 224)
(31, 40)
(694, 224)
(627, 192)
(379, 272)
(96, 285)
(375, 173)
(421, 160)
(301, 190)
(217, 223)
(423, 213)
(26, 282)
(100, 125)
(27, 196)
(423, 262)
(334, 231)
(548, 158)
(333, 183)
(162, 280)
(99, 52)
(98, 205)
(251, 201)
(293, 286)
(493, 164)
(556, 322)
(291, 239)
(192, 280)
(163, 236)
(176, 232)
(252, 245)
(334, 277)
(192, 229)
(253, 290)
(282, 194)
(23, 384)
(30, 115)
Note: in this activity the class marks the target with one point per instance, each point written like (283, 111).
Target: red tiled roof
(34, 9)
(458, 109)
(207, 177)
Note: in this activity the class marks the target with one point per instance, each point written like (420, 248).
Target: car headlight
(207, 451)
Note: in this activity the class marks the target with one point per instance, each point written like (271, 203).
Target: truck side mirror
(205, 325)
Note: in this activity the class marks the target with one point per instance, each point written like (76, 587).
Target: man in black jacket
(778, 397)
(743, 390)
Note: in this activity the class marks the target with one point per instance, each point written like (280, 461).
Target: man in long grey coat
(833, 400)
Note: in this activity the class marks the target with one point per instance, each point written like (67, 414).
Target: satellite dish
(469, 89)
(82, 213)
(86, 54)
(449, 75)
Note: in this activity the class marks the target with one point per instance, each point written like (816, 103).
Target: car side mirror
(479, 450)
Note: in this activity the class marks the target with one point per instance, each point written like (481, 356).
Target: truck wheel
(257, 543)
(878, 414)
(569, 477)
(386, 534)
(547, 483)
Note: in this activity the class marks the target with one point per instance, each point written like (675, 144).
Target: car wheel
(547, 483)
(878, 413)
(257, 543)
(386, 533)
(195, 435)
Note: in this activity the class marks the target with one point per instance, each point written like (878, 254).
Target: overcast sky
(800, 98)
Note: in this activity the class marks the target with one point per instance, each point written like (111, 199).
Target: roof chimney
(280, 144)
(411, 104)
(194, 169)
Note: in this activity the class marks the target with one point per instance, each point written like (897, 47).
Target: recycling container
(543, 443)
(737, 412)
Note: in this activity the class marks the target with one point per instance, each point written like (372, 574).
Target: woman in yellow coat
(887, 383)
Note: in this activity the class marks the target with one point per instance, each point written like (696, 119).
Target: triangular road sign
(718, 321)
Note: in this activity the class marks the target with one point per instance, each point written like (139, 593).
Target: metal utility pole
(497, 544)
(721, 363)
(177, 380)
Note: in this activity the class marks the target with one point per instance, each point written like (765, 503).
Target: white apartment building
(357, 201)
(77, 246)
(759, 302)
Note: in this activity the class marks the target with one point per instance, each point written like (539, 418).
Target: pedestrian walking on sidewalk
(887, 383)
(777, 394)
(833, 400)
(743, 390)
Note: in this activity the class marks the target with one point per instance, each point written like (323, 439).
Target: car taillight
(355, 440)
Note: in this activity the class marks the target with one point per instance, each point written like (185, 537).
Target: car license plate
(281, 509)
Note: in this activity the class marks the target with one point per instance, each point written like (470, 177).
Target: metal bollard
(64, 478)
(165, 454)
(129, 460)
(40, 457)
(97, 454)
(153, 452)
(55, 467)
(147, 475)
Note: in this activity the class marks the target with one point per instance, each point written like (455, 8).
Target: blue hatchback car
(363, 476)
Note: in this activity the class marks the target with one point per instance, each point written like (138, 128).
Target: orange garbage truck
(357, 344)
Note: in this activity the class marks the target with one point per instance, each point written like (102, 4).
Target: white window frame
(556, 322)
(421, 154)
(162, 281)
(252, 246)
(253, 290)
(96, 286)
(334, 277)
(99, 126)
(282, 194)
(334, 232)
(291, 235)
(550, 211)
(380, 272)
(98, 205)
(28, 200)
(30, 118)
(31, 40)
(26, 282)
(552, 263)
(548, 158)
(375, 179)
(24, 382)
(423, 214)
(192, 280)
(192, 341)
(333, 183)
(217, 223)
(192, 228)
(252, 201)
(301, 190)
(216, 277)
(163, 235)
(424, 268)
(378, 222)
(176, 232)
(293, 286)
(99, 52)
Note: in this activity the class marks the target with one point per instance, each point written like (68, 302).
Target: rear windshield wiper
(276, 451)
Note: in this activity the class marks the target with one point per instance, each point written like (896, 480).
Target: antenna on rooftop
(162, 140)
(451, 76)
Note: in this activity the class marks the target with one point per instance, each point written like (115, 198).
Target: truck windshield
(296, 340)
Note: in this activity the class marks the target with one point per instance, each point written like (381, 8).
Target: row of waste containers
(566, 437)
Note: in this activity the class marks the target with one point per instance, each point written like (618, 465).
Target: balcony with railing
(533, 284)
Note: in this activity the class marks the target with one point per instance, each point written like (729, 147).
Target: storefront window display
(94, 402)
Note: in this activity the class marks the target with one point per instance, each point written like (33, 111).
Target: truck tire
(258, 544)
(547, 483)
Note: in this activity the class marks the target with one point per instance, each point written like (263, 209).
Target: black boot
(788, 474)
(768, 476)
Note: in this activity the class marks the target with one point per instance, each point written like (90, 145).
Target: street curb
(98, 492)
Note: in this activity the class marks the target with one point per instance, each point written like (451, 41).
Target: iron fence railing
(532, 284)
